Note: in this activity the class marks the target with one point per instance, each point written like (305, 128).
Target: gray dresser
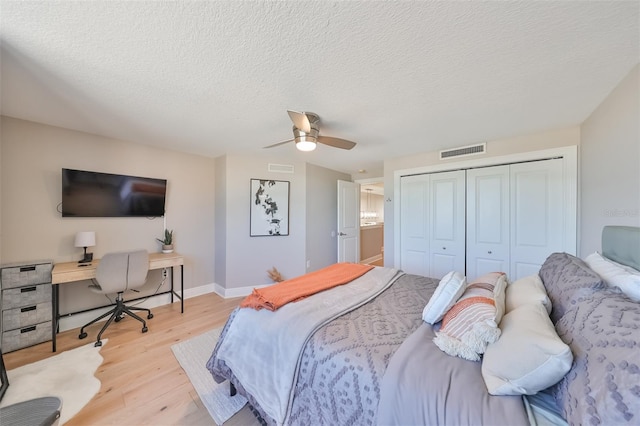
(26, 304)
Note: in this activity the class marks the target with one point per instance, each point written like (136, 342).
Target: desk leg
(55, 305)
(181, 297)
(172, 285)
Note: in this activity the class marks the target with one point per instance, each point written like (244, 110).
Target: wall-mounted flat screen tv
(95, 194)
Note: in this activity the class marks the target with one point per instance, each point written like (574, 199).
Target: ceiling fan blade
(336, 142)
(300, 120)
(278, 144)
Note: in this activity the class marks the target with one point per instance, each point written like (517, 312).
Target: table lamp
(86, 239)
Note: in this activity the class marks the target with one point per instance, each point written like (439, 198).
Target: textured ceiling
(398, 78)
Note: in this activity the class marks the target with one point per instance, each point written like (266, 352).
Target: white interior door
(537, 215)
(447, 224)
(348, 222)
(487, 221)
(414, 224)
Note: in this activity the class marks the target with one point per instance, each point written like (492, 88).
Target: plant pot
(167, 248)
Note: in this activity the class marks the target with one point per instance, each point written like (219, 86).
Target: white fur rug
(193, 355)
(68, 375)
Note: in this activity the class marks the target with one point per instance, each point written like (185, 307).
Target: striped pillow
(472, 322)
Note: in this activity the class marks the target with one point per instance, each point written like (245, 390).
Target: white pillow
(527, 290)
(499, 296)
(446, 295)
(615, 275)
(528, 357)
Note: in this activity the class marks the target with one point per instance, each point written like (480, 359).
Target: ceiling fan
(306, 133)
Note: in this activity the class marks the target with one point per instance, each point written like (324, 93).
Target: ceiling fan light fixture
(305, 145)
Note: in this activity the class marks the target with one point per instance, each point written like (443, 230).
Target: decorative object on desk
(269, 208)
(275, 275)
(68, 375)
(167, 241)
(86, 239)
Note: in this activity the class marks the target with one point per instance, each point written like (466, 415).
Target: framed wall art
(269, 208)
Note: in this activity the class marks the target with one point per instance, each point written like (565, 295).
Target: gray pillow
(603, 385)
(567, 279)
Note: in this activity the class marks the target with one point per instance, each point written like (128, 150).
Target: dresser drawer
(26, 296)
(26, 336)
(26, 316)
(18, 276)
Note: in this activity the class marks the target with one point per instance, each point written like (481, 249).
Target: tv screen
(94, 194)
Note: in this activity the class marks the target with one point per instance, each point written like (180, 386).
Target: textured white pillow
(528, 357)
(527, 290)
(615, 275)
(499, 296)
(446, 295)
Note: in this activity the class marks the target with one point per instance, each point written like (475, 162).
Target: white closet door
(537, 215)
(447, 224)
(414, 216)
(487, 221)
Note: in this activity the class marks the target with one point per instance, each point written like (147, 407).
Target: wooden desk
(69, 272)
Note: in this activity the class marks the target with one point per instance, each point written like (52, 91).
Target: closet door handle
(444, 248)
(489, 252)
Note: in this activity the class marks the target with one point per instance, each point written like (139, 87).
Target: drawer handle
(27, 268)
(28, 308)
(27, 289)
(28, 329)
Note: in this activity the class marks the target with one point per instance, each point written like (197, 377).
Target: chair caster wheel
(149, 316)
(82, 335)
(118, 319)
(98, 343)
(145, 329)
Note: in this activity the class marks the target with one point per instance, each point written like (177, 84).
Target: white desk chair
(116, 273)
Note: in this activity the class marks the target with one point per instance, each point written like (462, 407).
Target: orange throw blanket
(278, 295)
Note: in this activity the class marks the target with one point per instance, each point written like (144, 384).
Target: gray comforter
(425, 386)
(343, 362)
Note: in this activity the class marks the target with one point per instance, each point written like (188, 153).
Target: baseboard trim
(229, 293)
(78, 320)
(372, 259)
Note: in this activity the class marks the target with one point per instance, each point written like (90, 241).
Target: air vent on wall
(280, 168)
(464, 151)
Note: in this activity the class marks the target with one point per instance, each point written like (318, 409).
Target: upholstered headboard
(622, 244)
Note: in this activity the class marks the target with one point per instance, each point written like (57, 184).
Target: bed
(361, 353)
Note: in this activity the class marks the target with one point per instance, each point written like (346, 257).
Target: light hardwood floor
(142, 382)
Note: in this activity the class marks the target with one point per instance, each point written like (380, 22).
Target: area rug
(193, 355)
(68, 375)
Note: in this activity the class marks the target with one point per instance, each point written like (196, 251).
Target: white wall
(30, 180)
(536, 142)
(221, 221)
(610, 164)
(247, 258)
(322, 216)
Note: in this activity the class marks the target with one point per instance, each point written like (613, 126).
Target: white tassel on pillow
(472, 323)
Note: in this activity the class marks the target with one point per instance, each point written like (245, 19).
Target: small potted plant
(167, 241)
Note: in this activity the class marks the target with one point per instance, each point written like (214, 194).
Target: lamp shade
(85, 239)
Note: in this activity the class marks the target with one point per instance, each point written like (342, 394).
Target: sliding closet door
(414, 219)
(447, 224)
(487, 220)
(537, 215)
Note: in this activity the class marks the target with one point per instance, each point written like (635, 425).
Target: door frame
(569, 155)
